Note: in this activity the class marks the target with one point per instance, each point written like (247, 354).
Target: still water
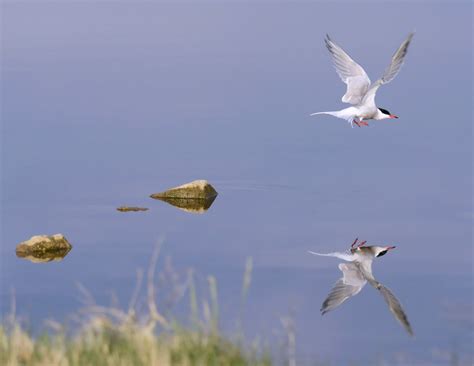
(107, 103)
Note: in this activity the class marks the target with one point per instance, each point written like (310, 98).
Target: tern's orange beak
(393, 116)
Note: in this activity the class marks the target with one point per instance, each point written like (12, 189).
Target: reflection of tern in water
(356, 274)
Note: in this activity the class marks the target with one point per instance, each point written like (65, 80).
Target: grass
(110, 336)
(103, 343)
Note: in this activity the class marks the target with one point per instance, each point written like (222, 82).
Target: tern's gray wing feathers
(395, 307)
(393, 304)
(350, 72)
(390, 72)
(349, 285)
(397, 61)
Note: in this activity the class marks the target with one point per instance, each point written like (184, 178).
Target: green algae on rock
(44, 248)
(131, 208)
(198, 189)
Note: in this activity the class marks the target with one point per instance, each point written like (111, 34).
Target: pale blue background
(104, 103)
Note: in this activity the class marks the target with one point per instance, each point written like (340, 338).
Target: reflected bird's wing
(390, 72)
(349, 285)
(350, 72)
(394, 306)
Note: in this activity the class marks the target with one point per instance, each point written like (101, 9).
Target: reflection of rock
(194, 205)
(199, 189)
(43, 248)
(128, 208)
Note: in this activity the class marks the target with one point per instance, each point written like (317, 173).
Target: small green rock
(131, 208)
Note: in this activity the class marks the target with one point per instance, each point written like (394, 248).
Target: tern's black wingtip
(409, 330)
(328, 42)
(410, 36)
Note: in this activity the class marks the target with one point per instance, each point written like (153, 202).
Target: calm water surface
(106, 103)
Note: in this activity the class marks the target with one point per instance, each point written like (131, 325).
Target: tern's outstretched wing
(350, 73)
(397, 61)
(390, 72)
(395, 307)
(349, 285)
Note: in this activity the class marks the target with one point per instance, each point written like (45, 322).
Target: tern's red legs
(362, 243)
(358, 245)
(360, 123)
(354, 243)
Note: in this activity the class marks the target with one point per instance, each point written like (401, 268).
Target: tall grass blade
(214, 304)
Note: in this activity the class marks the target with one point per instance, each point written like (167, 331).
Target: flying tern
(356, 274)
(360, 92)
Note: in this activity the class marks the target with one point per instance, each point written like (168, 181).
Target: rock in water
(199, 189)
(44, 248)
(130, 208)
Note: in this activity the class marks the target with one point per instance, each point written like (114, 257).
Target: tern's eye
(382, 253)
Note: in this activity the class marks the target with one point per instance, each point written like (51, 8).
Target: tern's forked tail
(332, 113)
(345, 256)
(349, 114)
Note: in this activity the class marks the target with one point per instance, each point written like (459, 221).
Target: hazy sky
(104, 103)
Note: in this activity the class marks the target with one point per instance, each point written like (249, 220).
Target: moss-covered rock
(199, 189)
(44, 248)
